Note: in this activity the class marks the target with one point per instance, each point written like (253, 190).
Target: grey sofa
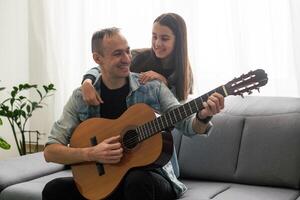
(252, 153)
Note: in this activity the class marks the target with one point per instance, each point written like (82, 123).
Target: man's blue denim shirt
(153, 93)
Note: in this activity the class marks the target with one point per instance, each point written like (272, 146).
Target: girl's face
(163, 40)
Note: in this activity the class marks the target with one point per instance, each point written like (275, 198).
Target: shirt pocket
(145, 98)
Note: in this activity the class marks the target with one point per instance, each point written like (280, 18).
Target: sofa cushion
(24, 168)
(270, 151)
(212, 157)
(248, 192)
(202, 190)
(31, 190)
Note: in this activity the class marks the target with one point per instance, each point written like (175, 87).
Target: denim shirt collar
(94, 111)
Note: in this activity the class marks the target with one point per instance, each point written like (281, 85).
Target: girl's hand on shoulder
(90, 95)
(151, 75)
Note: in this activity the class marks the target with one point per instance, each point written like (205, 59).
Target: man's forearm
(59, 153)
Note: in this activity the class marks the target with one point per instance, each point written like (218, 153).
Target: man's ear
(97, 58)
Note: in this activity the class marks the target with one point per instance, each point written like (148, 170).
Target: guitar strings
(135, 139)
(193, 105)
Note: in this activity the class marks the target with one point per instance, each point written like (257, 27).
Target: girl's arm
(89, 93)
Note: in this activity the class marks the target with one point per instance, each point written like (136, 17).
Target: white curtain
(226, 38)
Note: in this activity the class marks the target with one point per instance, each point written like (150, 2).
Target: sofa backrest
(255, 140)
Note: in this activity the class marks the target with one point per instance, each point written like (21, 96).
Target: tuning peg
(250, 92)
(258, 90)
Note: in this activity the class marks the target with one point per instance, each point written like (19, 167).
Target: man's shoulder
(135, 77)
(148, 87)
(77, 99)
(77, 92)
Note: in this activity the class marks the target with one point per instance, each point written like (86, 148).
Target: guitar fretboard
(170, 118)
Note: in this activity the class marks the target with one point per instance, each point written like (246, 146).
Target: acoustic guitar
(142, 137)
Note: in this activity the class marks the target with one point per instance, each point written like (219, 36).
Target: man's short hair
(98, 37)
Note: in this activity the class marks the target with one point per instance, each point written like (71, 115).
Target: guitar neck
(170, 118)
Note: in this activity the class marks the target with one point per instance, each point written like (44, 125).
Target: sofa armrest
(25, 168)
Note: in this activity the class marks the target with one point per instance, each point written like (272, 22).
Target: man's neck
(113, 83)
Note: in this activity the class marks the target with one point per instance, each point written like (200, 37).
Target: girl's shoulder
(143, 52)
(141, 60)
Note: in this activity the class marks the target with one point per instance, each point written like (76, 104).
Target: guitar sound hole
(130, 139)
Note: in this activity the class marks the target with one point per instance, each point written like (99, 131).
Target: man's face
(116, 57)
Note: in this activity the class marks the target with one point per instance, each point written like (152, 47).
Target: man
(119, 90)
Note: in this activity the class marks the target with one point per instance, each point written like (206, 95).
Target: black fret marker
(99, 166)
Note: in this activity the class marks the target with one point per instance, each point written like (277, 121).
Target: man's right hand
(108, 151)
(90, 95)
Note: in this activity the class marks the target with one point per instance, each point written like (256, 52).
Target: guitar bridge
(99, 165)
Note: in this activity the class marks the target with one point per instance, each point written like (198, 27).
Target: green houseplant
(18, 108)
(3, 143)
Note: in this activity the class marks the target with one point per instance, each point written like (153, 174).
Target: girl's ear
(97, 58)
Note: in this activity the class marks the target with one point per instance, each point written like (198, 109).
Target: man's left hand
(213, 105)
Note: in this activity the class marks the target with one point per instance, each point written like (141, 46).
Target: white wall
(41, 119)
(14, 67)
(295, 7)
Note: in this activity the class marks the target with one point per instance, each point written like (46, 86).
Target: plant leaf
(39, 92)
(13, 93)
(34, 105)
(45, 88)
(32, 86)
(22, 106)
(21, 86)
(51, 86)
(4, 144)
(16, 113)
(28, 108)
(22, 97)
(23, 113)
(12, 100)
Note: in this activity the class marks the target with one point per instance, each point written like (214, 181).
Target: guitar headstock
(247, 82)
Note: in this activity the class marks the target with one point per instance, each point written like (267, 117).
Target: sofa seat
(31, 190)
(204, 190)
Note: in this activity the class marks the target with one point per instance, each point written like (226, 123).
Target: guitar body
(155, 151)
